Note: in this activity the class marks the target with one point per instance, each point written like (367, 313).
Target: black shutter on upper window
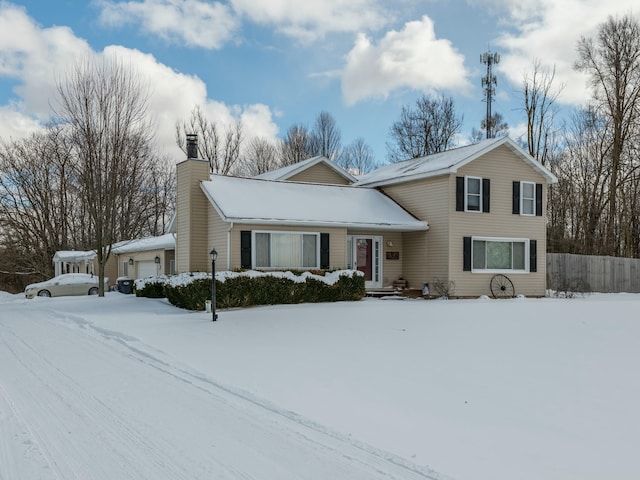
(538, 199)
(324, 251)
(466, 255)
(245, 248)
(533, 256)
(459, 194)
(486, 194)
(516, 198)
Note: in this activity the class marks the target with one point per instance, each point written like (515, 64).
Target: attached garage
(146, 269)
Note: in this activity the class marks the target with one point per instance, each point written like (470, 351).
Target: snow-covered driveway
(78, 401)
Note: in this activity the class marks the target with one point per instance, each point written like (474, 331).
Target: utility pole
(489, 83)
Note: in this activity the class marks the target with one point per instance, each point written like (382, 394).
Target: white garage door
(146, 269)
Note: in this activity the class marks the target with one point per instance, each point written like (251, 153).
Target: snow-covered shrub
(152, 287)
(243, 289)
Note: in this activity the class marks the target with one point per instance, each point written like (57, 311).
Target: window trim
(290, 232)
(532, 199)
(512, 240)
(466, 194)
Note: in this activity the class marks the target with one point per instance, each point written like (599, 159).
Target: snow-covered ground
(130, 388)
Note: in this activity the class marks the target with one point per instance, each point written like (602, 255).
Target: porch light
(131, 261)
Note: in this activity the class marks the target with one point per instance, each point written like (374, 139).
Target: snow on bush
(184, 279)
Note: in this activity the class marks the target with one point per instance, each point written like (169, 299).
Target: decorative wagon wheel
(502, 287)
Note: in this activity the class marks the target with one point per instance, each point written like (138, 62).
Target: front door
(364, 255)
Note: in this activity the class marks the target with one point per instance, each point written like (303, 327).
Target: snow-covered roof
(74, 256)
(446, 163)
(162, 242)
(266, 202)
(289, 171)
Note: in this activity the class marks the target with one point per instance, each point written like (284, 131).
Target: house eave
(381, 227)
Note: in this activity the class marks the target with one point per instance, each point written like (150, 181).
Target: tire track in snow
(64, 405)
(307, 430)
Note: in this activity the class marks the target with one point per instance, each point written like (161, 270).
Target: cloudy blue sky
(273, 63)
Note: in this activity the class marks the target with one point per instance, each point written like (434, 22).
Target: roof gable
(265, 202)
(285, 173)
(447, 162)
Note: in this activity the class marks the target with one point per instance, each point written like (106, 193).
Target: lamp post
(157, 262)
(213, 255)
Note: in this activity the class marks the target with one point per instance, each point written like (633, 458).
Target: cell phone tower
(489, 83)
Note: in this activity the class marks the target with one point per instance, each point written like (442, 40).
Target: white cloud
(411, 58)
(36, 57)
(210, 24)
(15, 125)
(194, 23)
(310, 20)
(258, 122)
(550, 33)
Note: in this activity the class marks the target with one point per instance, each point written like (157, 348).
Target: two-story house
(460, 216)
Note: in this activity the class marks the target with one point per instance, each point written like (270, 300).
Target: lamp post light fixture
(214, 255)
(157, 262)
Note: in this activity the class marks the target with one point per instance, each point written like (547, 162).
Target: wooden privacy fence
(591, 273)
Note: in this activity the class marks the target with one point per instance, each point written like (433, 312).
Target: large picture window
(286, 250)
(497, 254)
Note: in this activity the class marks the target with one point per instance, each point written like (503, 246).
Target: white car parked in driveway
(66, 284)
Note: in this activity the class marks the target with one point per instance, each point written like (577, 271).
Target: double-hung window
(500, 254)
(292, 250)
(473, 194)
(527, 198)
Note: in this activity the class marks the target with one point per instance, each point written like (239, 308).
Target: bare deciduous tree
(499, 128)
(326, 138)
(37, 200)
(612, 62)
(261, 155)
(357, 158)
(578, 203)
(296, 145)
(427, 128)
(539, 97)
(221, 146)
(105, 106)
(162, 182)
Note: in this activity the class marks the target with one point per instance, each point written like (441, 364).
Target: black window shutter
(245, 248)
(486, 194)
(459, 194)
(533, 256)
(539, 199)
(324, 251)
(516, 198)
(466, 259)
